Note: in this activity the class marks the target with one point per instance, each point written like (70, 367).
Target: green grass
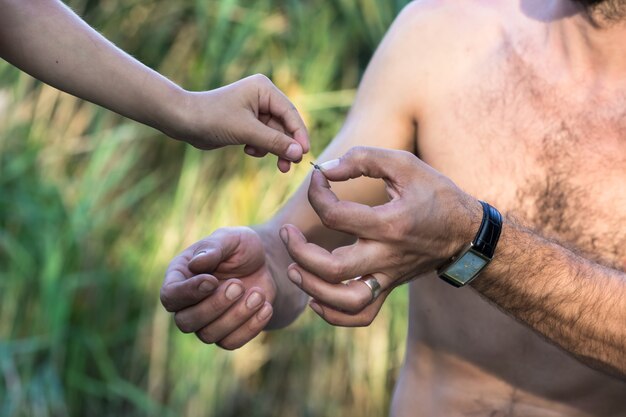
(93, 207)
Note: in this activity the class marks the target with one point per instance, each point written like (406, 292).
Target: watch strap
(489, 231)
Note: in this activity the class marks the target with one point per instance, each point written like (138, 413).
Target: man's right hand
(221, 288)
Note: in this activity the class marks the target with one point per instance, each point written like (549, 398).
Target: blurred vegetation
(93, 207)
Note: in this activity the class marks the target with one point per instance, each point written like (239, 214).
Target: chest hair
(563, 149)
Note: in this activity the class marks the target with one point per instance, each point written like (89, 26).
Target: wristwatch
(474, 257)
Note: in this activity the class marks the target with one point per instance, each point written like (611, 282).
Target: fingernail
(294, 152)
(233, 292)
(206, 287)
(329, 164)
(317, 308)
(249, 151)
(295, 276)
(265, 312)
(284, 235)
(199, 254)
(254, 300)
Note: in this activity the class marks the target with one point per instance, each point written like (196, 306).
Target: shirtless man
(520, 104)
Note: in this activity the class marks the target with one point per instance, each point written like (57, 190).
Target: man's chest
(558, 165)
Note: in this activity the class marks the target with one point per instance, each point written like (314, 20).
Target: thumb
(274, 141)
(206, 260)
(210, 252)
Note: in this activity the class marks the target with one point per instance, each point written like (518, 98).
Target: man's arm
(576, 303)
(47, 40)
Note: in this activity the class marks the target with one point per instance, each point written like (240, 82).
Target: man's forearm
(47, 40)
(577, 304)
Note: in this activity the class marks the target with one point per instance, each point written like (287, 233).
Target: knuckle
(388, 230)
(206, 336)
(276, 143)
(215, 305)
(361, 320)
(334, 322)
(406, 155)
(398, 228)
(229, 345)
(336, 269)
(366, 320)
(351, 307)
(355, 304)
(406, 158)
(237, 312)
(396, 259)
(396, 232)
(357, 153)
(261, 79)
(328, 217)
(182, 323)
(166, 299)
(253, 327)
(363, 301)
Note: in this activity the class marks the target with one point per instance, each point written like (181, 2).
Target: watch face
(466, 267)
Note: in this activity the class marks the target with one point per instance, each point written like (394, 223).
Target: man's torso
(551, 152)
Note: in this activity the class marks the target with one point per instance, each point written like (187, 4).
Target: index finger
(280, 106)
(343, 263)
(345, 216)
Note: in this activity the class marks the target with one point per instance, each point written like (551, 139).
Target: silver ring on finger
(373, 284)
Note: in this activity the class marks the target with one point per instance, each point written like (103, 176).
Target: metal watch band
(489, 231)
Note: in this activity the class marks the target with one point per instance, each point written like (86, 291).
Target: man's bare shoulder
(458, 22)
(443, 42)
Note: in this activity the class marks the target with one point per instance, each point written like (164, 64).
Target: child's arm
(47, 40)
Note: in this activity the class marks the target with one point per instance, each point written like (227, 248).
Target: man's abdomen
(467, 358)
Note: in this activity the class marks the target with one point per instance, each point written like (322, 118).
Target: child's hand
(252, 112)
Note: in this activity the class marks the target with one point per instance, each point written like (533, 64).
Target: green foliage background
(93, 207)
